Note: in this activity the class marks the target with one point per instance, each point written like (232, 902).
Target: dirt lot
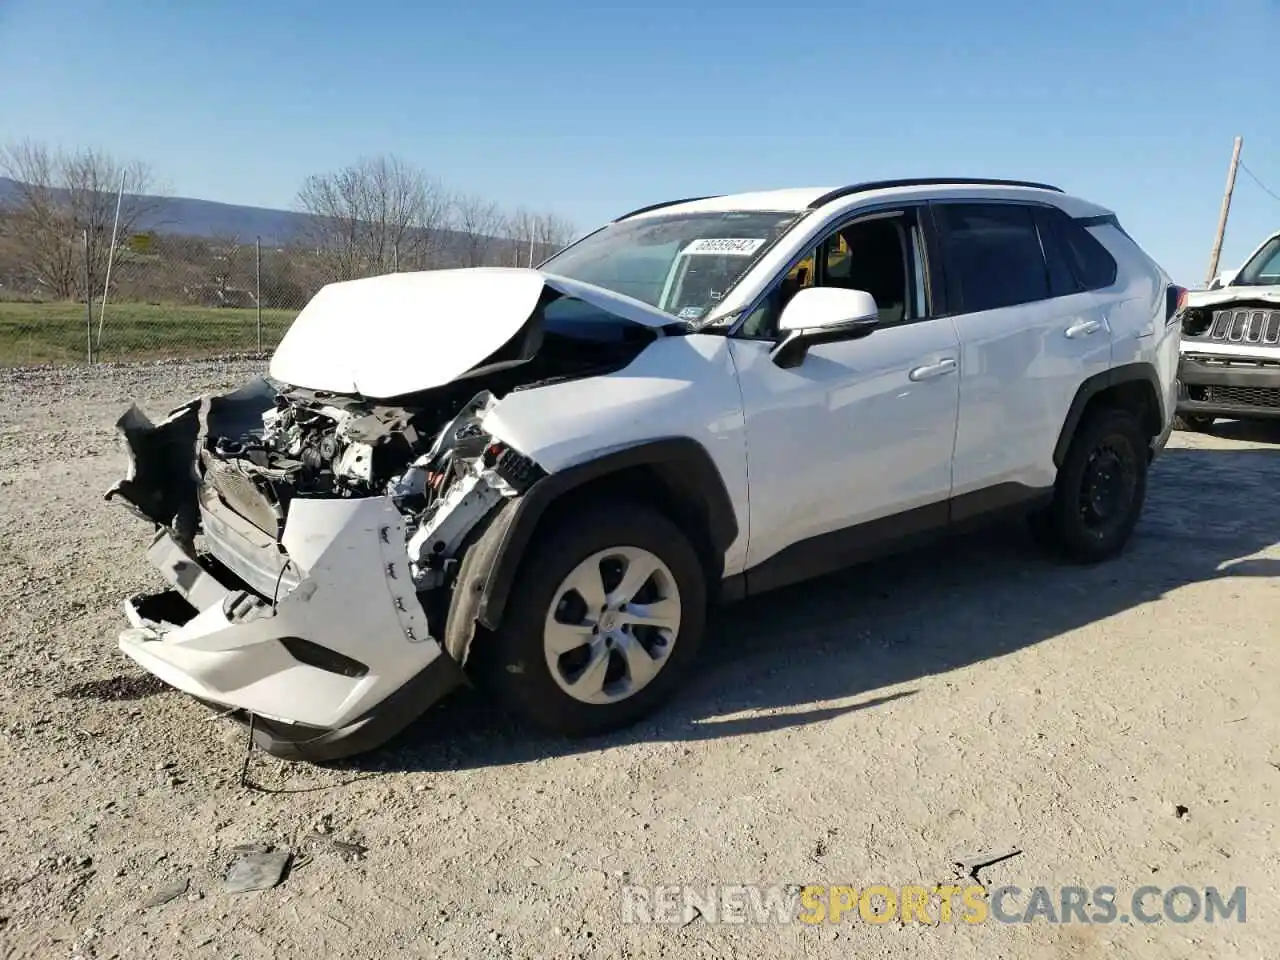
(1118, 725)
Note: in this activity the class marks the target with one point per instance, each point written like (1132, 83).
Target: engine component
(449, 520)
(355, 463)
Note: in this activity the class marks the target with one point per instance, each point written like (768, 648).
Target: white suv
(539, 480)
(1231, 344)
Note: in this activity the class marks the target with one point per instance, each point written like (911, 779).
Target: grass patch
(35, 333)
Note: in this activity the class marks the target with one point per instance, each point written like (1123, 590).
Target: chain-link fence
(164, 296)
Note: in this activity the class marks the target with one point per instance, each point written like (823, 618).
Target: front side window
(994, 255)
(682, 263)
(881, 254)
(1263, 268)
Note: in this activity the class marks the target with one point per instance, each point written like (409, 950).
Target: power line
(1254, 177)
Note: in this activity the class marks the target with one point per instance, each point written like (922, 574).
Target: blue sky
(589, 110)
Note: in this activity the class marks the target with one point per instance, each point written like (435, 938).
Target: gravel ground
(1117, 725)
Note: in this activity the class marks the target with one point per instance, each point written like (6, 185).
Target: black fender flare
(490, 565)
(1141, 371)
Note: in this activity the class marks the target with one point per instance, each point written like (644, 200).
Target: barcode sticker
(728, 246)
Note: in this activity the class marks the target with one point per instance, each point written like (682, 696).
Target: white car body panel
(395, 334)
(1140, 329)
(1019, 374)
(678, 387)
(343, 552)
(823, 437)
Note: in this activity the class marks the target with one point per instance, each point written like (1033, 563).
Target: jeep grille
(1246, 325)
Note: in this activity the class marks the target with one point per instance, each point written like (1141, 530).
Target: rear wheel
(603, 623)
(1100, 490)
(1193, 423)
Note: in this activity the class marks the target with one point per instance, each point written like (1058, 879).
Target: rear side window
(993, 255)
(1094, 268)
(1062, 276)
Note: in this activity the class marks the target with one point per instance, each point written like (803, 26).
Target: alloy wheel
(612, 625)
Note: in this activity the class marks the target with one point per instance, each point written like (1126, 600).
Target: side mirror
(823, 315)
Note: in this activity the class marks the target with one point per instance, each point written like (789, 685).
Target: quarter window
(1092, 265)
(1063, 280)
(994, 254)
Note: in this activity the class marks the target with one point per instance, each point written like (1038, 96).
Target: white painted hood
(399, 333)
(1214, 298)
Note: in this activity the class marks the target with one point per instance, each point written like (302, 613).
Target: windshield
(683, 263)
(1263, 268)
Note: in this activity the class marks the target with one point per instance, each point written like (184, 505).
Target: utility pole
(1226, 208)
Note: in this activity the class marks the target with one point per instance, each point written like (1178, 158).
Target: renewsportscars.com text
(930, 905)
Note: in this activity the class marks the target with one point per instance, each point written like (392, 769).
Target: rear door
(1029, 335)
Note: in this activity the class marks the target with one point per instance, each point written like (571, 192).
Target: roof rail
(924, 182)
(659, 206)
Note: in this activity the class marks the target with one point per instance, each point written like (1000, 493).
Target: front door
(861, 430)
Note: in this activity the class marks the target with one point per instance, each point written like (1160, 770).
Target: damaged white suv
(540, 479)
(1230, 363)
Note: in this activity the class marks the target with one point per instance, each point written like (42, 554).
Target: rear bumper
(331, 667)
(1222, 388)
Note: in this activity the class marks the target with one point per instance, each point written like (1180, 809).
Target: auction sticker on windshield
(738, 247)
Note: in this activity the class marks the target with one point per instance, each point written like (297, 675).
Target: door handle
(931, 370)
(1083, 328)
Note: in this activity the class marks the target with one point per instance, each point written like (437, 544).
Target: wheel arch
(674, 474)
(1131, 386)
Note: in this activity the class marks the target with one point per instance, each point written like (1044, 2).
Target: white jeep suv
(1230, 363)
(540, 479)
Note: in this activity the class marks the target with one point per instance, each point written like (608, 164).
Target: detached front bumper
(1235, 387)
(340, 661)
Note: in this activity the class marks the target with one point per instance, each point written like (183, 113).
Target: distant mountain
(185, 216)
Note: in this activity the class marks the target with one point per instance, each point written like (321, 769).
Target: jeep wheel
(1192, 422)
(603, 622)
(1100, 490)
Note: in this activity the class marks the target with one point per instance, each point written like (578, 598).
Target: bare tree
(551, 234)
(533, 237)
(375, 216)
(59, 196)
(478, 222)
(521, 229)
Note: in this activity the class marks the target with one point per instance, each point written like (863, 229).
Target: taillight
(1175, 299)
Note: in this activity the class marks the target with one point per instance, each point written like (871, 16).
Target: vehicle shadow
(859, 639)
(1248, 431)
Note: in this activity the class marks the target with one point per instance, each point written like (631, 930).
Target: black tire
(511, 665)
(1192, 423)
(1109, 442)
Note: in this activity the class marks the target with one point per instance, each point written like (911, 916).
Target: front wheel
(603, 623)
(1100, 489)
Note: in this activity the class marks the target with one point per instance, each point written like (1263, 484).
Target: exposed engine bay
(444, 480)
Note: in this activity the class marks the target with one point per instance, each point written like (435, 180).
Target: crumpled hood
(400, 333)
(1214, 298)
